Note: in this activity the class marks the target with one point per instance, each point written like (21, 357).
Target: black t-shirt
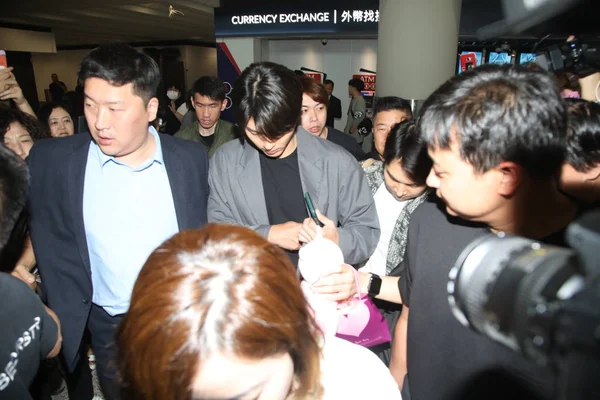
(346, 141)
(27, 336)
(57, 90)
(208, 140)
(447, 361)
(283, 191)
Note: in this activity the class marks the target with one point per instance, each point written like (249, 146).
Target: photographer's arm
(10, 90)
(590, 87)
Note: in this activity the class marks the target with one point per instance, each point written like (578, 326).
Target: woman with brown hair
(218, 313)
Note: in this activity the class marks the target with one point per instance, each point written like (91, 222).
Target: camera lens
(503, 286)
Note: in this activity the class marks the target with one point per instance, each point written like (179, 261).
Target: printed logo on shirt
(10, 370)
(358, 114)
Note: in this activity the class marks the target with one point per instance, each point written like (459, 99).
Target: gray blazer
(333, 178)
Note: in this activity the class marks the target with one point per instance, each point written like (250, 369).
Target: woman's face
(399, 184)
(231, 377)
(18, 139)
(60, 123)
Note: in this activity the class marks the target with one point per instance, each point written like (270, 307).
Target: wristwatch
(374, 285)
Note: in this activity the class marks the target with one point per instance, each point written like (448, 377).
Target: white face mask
(173, 94)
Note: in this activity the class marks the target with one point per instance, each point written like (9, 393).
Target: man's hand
(338, 285)
(308, 233)
(23, 274)
(285, 235)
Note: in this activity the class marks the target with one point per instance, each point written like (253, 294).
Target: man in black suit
(101, 204)
(334, 110)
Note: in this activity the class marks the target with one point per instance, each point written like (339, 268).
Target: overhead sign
(370, 81)
(317, 76)
(283, 18)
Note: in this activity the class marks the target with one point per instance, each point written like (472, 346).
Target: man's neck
(324, 133)
(207, 132)
(536, 212)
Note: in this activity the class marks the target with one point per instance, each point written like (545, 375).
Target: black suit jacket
(334, 110)
(57, 168)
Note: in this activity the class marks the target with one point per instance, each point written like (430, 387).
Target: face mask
(173, 94)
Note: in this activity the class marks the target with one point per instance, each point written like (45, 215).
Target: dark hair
(209, 86)
(329, 82)
(271, 94)
(31, 125)
(405, 143)
(211, 291)
(314, 90)
(499, 113)
(583, 134)
(391, 103)
(44, 112)
(299, 72)
(14, 186)
(356, 83)
(120, 64)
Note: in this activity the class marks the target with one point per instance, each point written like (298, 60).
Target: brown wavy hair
(314, 90)
(221, 289)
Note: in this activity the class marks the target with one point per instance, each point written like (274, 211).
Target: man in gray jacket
(259, 181)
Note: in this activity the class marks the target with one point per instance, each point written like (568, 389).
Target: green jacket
(224, 132)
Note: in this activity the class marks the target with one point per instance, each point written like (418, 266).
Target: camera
(573, 56)
(539, 300)
(324, 42)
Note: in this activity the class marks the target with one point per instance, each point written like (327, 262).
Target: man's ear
(152, 109)
(223, 105)
(593, 174)
(511, 177)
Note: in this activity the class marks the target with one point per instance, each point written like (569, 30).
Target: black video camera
(541, 301)
(573, 56)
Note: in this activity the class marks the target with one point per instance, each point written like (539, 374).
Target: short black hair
(583, 134)
(120, 64)
(329, 82)
(271, 94)
(211, 87)
(405, 143)
(32, 126)
(356, 83)
(390, 103)
(499, 113)
(14, 186)
(44, 112)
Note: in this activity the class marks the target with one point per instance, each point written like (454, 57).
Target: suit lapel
(251, 186)
(176, 176)
(76, 172)
(311, 167)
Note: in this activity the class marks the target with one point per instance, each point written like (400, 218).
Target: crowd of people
(174, 257)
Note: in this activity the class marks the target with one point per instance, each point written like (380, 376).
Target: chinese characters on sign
(360, 16)
(323, 17)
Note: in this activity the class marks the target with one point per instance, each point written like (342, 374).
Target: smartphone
(311, 210)
(3, 63)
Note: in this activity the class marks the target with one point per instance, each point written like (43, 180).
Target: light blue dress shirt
(127, 213)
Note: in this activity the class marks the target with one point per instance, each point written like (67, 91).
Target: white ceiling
(88, 22)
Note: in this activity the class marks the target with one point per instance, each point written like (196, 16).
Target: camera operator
(580, 175)
(495, 135)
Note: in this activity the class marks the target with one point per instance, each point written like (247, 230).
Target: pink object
(361, 322)
(570, 94)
